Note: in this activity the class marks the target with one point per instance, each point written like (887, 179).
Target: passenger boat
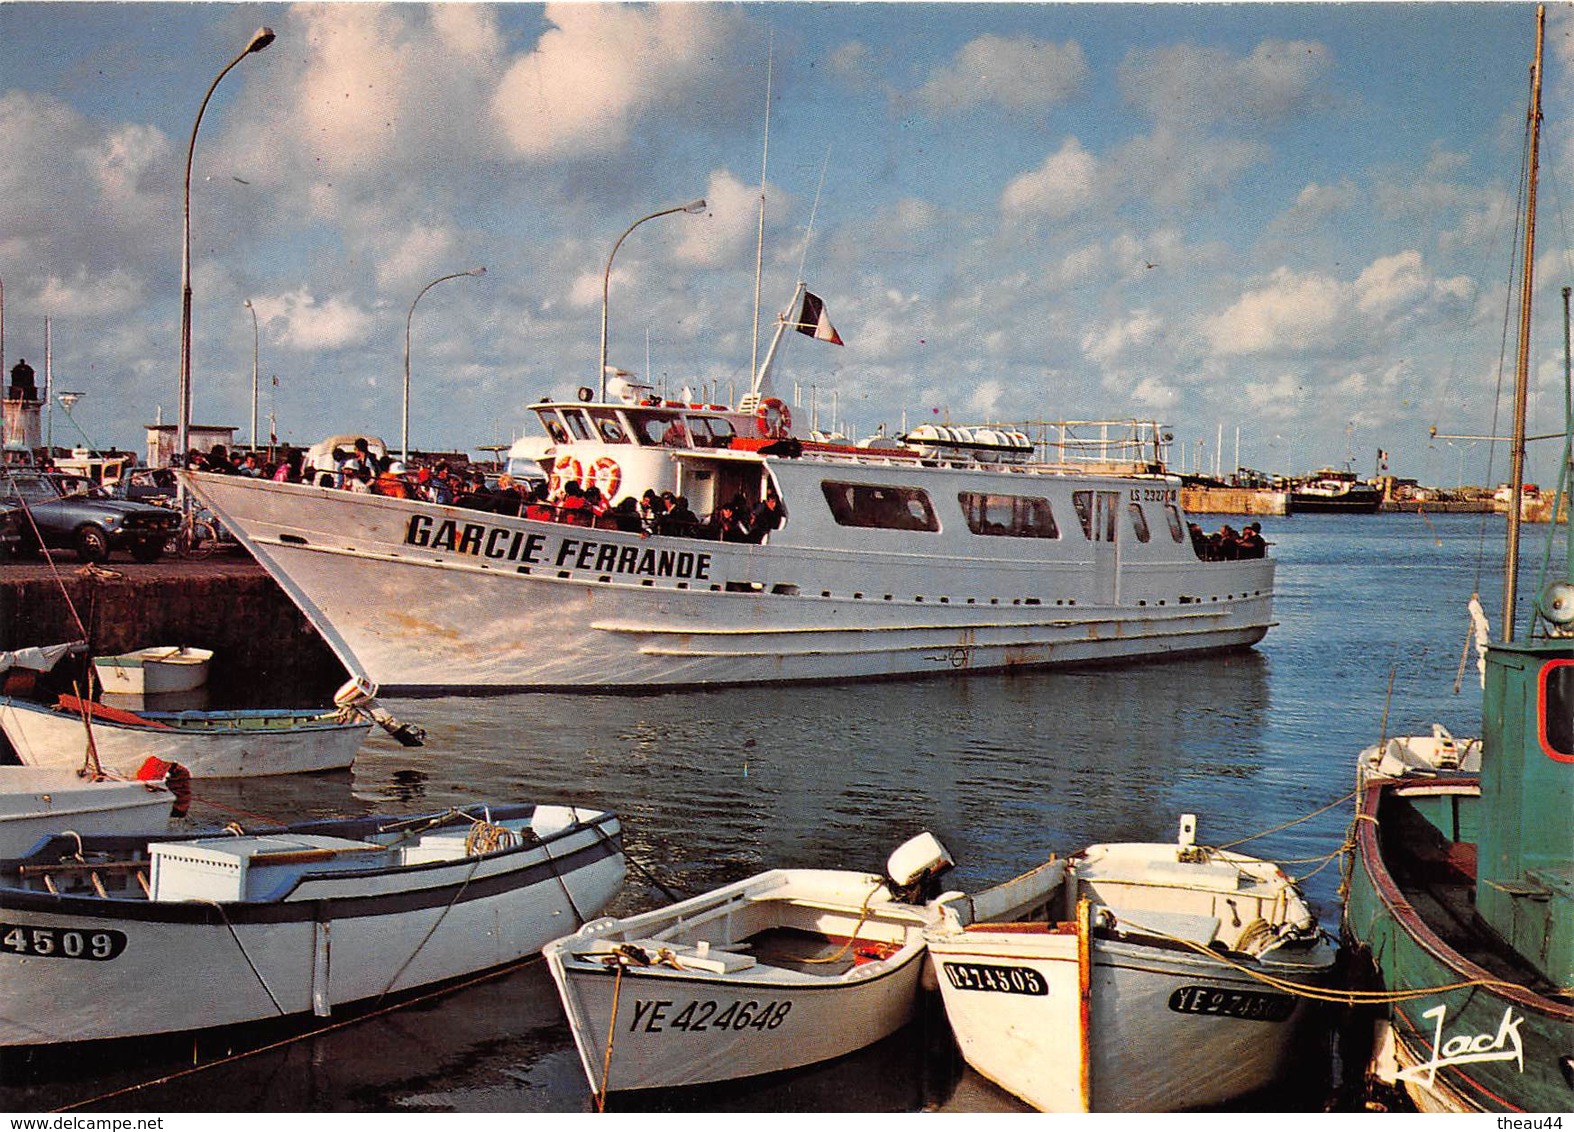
(210, 744)
(1337, 492)
(785, 969)
(154, 671)
(113, 937)
(36, 802)
(1460, 892)
(949, 551)
(1165, 978)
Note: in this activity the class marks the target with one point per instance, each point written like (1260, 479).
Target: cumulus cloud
(1291, 311)
(1110, 343)
(301, 321)
(1021, 73)
(1067, 181)
(601, 68)
(1193, 86)
(1390, 283)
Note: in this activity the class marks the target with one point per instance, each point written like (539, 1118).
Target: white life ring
(773, 418)
(606, 475)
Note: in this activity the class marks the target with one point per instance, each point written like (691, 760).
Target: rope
(263, 983)
(1288, 824)
(863, 915)
(612, 1022)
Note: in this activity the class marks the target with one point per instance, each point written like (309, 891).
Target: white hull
(1121, 1001)
(79, 968)
(683, 1025)
(45, 737)
(508, 602)
(37, 802)
(153, 671)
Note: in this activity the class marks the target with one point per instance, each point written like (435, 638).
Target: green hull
(1492, 1045)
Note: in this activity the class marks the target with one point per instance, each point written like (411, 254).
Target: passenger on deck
(1226, 544)
(390, 480)
(677, 435)
(679, 520)
(766, 518)
(650, 511)
(1251, 542)
(626, 515)
(536, 506)
(595, 504)
(727, 525)
(1199, 542)
(573, 509)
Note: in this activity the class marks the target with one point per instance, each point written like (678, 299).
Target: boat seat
(1179, 925)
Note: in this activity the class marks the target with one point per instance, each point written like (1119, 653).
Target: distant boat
(115, 937)
(1166, 977)
(1460, 888)
(154, 671)
(785, 969)
(1330, 490)
(36, 802)
(209, 744)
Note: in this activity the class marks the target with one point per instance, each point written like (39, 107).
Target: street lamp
(259, 40)
(1460, 485)
(254, 349)
(404, 441)
(694, 206)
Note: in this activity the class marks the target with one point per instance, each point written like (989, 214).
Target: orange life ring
(565, 468)
(606, 475)
(773, 418)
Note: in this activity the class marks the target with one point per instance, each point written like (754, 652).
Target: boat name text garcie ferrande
(503, 544)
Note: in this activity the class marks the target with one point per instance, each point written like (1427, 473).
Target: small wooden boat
(1167, 977)
(38, 801)
(210, 744)
(111, 937)
(153, 671)
(782, 970)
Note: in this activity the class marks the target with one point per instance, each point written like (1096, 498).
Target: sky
(1285, 232)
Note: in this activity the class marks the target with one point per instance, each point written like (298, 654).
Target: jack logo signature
(1466, 1049)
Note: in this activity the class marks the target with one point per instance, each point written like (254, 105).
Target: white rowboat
(36, 802)
(154, 671)
(1168, 977)
(116, 937)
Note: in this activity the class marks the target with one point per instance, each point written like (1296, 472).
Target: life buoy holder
(773, 418)
(565, 468)
(606, 475)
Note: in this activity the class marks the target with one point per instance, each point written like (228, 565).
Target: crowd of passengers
(1227, 544)
(362, 470)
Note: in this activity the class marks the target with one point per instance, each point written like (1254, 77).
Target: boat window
(1015, 516)
(1177, 528)
(647, 428)
(607, 425)
(880, 505)
(577, 422)
(1557, 709)
(553, 426)
(700, 429)
(1096, 512)
(1139, 521)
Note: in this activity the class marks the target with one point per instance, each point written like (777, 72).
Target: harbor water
(714, 786)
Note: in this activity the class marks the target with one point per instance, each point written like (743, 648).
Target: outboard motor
(913, 872)
(358, 697)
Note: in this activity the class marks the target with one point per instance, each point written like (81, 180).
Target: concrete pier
(228, 604)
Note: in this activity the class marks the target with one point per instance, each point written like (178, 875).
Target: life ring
(773, 418)
(565, 468)
(606, 475)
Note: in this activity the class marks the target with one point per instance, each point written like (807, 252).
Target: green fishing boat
(1459, 897)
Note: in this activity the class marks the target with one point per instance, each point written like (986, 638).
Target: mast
(1522, 362)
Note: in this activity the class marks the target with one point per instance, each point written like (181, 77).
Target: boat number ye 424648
(655, 1016)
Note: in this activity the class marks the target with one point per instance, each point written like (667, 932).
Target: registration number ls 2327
(658, 1015)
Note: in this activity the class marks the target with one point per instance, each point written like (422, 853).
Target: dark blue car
(72, 513)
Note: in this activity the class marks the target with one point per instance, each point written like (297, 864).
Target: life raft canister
(773, 418)
(606, 475)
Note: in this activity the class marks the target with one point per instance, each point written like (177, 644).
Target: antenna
(759, 248)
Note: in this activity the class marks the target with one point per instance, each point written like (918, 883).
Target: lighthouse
(20, 414)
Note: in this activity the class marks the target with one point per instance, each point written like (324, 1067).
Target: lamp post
(259, 40)
(694, 206)
(254, 351)
(404, 433)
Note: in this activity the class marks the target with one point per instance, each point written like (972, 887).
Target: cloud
(1019, 74)
(301, 321)
(1066, 182)
(1291, 311)
(1109, 344)
(601, 69)
(1190, 86)
(1391, 283)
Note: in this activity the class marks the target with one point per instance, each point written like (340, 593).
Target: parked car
(147, 485)
(76, 514)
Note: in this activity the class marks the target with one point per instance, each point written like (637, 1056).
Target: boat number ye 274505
(504, 544)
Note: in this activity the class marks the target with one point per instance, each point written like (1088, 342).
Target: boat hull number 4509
(45, 942)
